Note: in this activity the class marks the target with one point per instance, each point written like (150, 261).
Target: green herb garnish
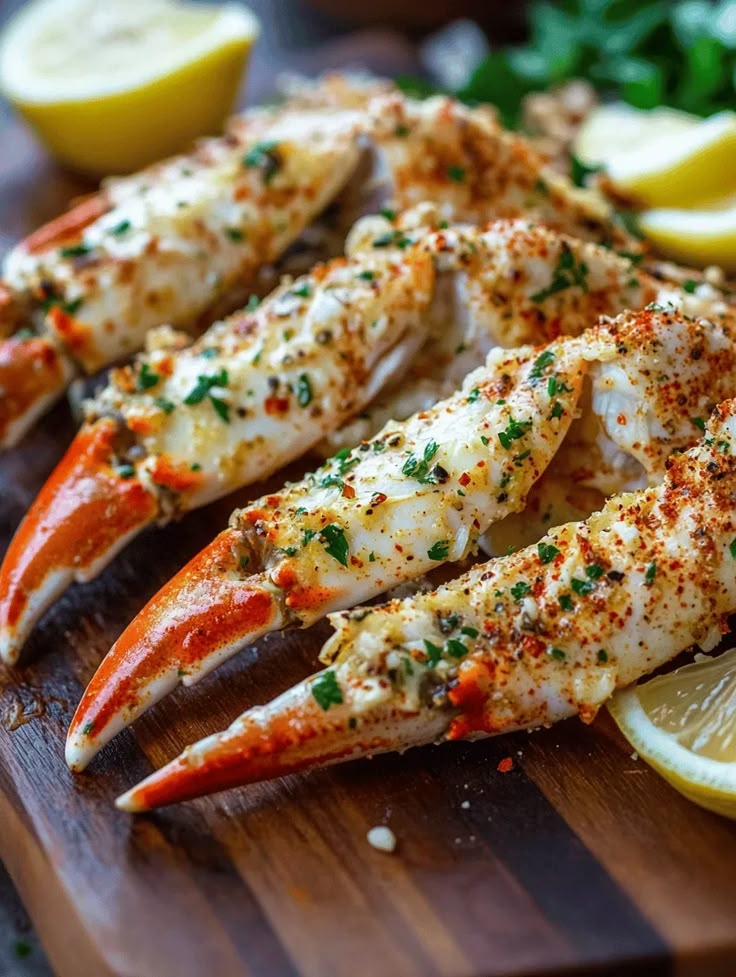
(439, 550)
(547, 552)
(326, 690)
(333, 539)
(304, 394)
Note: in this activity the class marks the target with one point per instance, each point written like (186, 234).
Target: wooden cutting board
(579, 860)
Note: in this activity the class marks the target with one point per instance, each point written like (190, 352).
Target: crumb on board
(465, 805)
(505, 765)
(382, 838)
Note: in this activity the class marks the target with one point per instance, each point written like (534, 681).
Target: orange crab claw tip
(68, 226)
(202, 616)
(290, 734)
(33, 374)
(82, 517)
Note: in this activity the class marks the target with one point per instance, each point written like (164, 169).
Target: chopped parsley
(234, 233)
(547, 552)
(333, 539)
(75, 251)
(473, 395)
(439, 550)
(456, 173)
(125, 471)
(167, 406)
(419, 469)
(594, 571)
(398, 238)
(434, 653)
(51, 301)
(304, 394)
(303, 290)
(566, 602)
(690, 285)
(253, 303)
(698, 422)
(120, 228)
(389, 214)
(147, 378)
(326, 690)
(566, 274)
(204, 388)
(557, 653)
(221, 407)
(367, 276)
(582, 587)
(264, 156)
(554, 387)
(514, 431)
(650, 574)
(541, 363)
(602, 655)
(330, 480)
(204, 385)
(344, 461)
(88, 728)
(732, 547)
(520, 590)
(209, 352)
(456, 648)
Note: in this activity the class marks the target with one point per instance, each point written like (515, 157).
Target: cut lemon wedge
(685, 169)
(617, 129)
(112, 86)
(695, 237)
(684, 725)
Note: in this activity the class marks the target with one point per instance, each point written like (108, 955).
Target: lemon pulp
(684, 725)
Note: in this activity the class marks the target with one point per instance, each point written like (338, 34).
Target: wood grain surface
(580, 860)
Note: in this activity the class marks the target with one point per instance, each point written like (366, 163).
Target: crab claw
(82, 517)
(33, 374)
(323, 720)
(68, 226)
(201, 617)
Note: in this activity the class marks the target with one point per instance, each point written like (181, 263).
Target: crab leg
(387, 512)
(170, 245)
(523, 641)
(515, 282)
(184, 426)
(492, 288)
(419, 495)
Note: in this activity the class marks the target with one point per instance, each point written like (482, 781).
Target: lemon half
(112, 86)
(684, 725)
